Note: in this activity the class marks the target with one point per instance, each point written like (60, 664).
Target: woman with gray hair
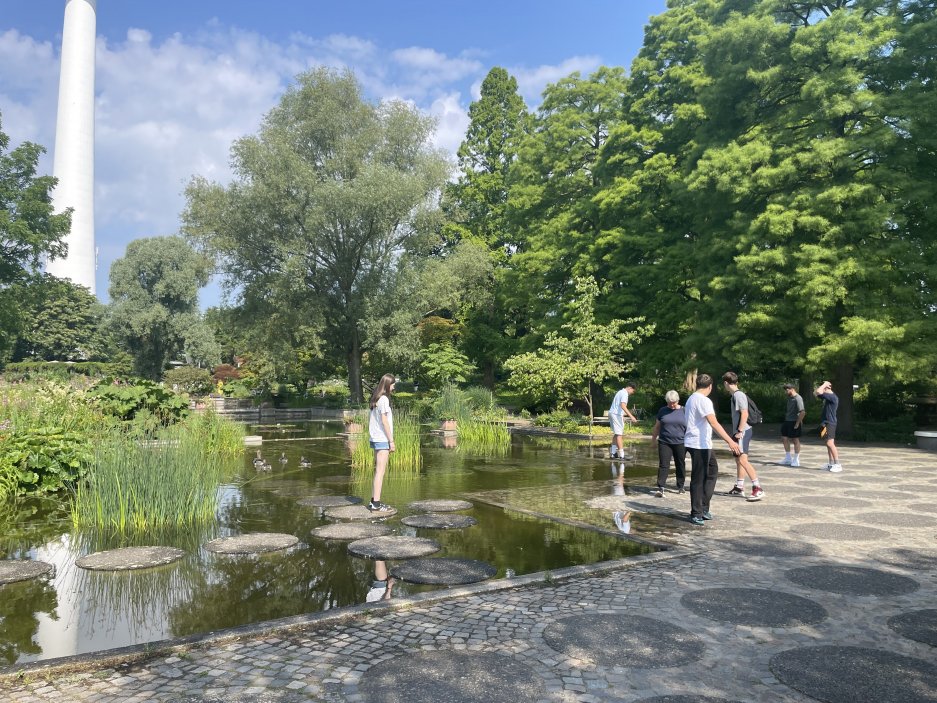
(668, 433)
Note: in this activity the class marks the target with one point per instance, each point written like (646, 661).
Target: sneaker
(376, 506)
(697, 520)
(659, 492)
(757, 493)
(826, 466)
(836, 468)
(681, 490)
(708, 516)
(785, 462)
(612, 452)
(795, 461)
(736, 491)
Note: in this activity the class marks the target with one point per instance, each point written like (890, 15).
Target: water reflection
(21, 605)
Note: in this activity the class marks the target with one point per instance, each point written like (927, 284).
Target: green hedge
(24, 370)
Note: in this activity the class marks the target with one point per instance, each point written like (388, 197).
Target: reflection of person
(618, 479)
(382, 586)
(700, 423)
(743, 435)
(792, 426)
(670, 428)
(623, 521)
(616, 418)
(828, 424)
(381, 432)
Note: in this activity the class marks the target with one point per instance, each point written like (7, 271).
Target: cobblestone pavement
(875, 516)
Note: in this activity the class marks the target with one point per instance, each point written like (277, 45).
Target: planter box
(926, 439)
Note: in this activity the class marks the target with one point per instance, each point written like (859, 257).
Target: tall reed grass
(483, 436)
(407, 456)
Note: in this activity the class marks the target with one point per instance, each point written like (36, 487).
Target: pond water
(79, 611)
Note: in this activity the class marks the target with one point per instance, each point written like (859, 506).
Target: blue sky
(177, 82)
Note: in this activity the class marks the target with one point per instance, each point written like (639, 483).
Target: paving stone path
(853, 619)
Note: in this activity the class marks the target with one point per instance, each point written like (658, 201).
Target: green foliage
(216, 435)
(451, 403)
(483, 437)
(225, 372)
(189, 379)
(126, 399)
(560, 419)
(330, 394)
(36, 370)
(36, 460)
(442, 363)
(405, 459)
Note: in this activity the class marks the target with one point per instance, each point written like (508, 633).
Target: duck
(304, 463)
(258, 461)
(283, 458)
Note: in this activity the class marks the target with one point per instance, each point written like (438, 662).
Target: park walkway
(826, 590)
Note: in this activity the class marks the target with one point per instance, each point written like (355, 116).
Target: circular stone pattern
(772, 547)
(773, 510)
(439, 506)
(852, 580)
(357, 512)
(756, 607)
(451, 677)
(897, 519)
(22, 570)
(444, 571)
(911, 559)
(328, 501)
(850, 674)
(394, 547)
(435, 521)
(839, 532)
(685, 699)
(351, 530)
(130, 558)
(918, 625)
(255, 543)
(648, 644)
(834, 502)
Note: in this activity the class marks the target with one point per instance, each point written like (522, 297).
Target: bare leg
(831, 450)
(797, 445)
(619, 442)
(787, 444)
(380, 466)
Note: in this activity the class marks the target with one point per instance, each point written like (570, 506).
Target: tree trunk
(843, 377)
(488, 377)
(354, 368)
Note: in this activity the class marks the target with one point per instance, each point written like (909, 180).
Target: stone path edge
(139, 653)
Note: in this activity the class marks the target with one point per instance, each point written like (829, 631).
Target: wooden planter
(448, 426)
(354, 428)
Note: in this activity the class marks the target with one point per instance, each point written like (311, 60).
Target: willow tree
(328, 200)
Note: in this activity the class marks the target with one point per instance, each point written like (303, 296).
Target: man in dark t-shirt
(828, 424)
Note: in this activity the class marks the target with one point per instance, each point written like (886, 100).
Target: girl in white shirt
(381, 433)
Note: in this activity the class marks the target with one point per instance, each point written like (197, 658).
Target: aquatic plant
(485, 436)
(407, 456)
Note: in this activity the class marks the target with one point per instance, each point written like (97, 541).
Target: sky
(178, 82)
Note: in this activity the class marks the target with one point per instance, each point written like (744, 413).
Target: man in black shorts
(828, 424)
(792, 426)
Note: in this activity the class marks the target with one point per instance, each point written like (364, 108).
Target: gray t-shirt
(738, 404)
(795, 406)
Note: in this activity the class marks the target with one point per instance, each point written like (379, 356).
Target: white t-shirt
(375, 428)
(699, 433)
(620, 397)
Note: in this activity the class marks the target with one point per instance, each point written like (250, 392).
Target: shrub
(561, 419)
(225, 373)
(35, 370)
(125, 400)
(189, 379)
(333, 393)
(42, 459)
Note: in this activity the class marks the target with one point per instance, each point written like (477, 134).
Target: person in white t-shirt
(381, 433)
(616, 418)
(698, 439)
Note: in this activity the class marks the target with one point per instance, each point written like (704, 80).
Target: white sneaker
(786, 462)
(836, 468)
(795, 461)
(826, 466)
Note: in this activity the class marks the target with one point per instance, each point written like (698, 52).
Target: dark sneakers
(376, 506)
(736, 491)
(696, 520)
(708, 516)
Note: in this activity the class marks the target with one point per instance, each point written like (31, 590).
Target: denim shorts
(377, 446)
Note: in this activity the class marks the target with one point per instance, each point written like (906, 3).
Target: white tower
(73, 163)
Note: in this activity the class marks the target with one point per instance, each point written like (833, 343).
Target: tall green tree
(332, 200)
(63, 322)
(154, 305)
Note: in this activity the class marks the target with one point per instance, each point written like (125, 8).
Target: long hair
(382, 388)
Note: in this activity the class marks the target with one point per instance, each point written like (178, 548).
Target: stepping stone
(755, 607)
(12, 570)
(849, 674)
(834, 502)
(896, 519)
(434, 521)
(771, 547)
(887, 494)
(129, 558)
(623, 640)
(254, 543)
(444, 571)
(852, 580)
(357, 512)
(452, 677)
(917, 625)
(328, 501)
(839, 532)
(394, 547)
(911, 559)
(439, 506)
(351, 530)
(764, 509)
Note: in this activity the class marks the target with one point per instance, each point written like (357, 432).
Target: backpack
(754, 414)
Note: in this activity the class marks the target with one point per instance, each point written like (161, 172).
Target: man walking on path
(743, 435)
(828, 424)
(616, 418)
(792, 426)
(700, 423)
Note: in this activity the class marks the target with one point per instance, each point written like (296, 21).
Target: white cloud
(532, 81)
(452, 121)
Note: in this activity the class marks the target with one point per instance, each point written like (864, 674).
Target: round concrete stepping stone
(451, 677)
(444, 571)
(12, 570)
(896, 519)
(852, 580)
(875, 478)
(834, 502)
(435, 521)
(850, 674)
(351, 530)
(357, 512)
(917, 625)
(756, 607)
(254, 543)
(911, 559)
(328, 501)
(623, 640)
(771, 547)
(887, 494)
(763, 509)
(129, 558)
(439, 506)
(685, 699)
(839, 532)
(394, 547)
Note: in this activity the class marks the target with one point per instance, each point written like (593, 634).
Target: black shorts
(830, 432)
(788, 429)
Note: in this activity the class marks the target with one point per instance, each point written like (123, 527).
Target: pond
(80, 611)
